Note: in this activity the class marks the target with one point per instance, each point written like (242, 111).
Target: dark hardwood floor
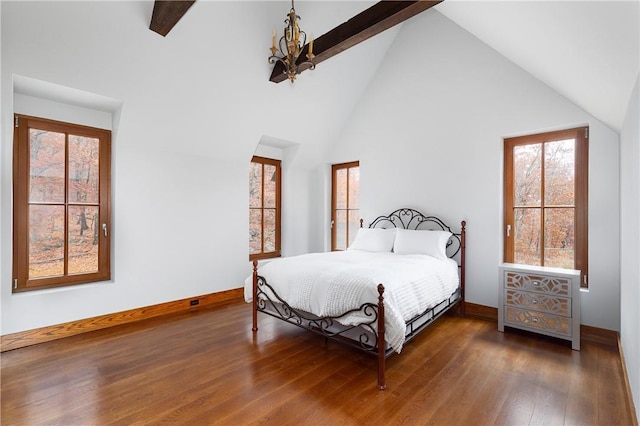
(206, 367)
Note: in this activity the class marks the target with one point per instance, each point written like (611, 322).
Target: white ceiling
(588, 51)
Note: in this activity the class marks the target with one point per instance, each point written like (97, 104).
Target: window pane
(84, 168)
(549, 224)
(270, 186)
(559, 238)
(255, 185)
(46, 166)
(527, 236)
(354, 224)
(264, 228)
(527, 174)
(83, 239)
(341, 189)
(341, 230)
(559, 171)
(59, 177)
(46, 241)
(269, 230)
(255, 231)
(354, 188)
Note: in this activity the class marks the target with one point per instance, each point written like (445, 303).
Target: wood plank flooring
(206, 367)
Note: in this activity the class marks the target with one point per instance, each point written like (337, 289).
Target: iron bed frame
(369, 336)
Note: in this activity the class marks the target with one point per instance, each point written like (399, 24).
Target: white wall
(192, 109)
(175, 227)
(180, 156)
(40, 107)
(428, 134)
(630, 242)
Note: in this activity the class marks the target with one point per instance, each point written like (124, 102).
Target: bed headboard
(412, 219)
(407, 218)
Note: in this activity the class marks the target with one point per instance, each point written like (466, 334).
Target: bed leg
(463, 246)
(255, 296)
(381, 342)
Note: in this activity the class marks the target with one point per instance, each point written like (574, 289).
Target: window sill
(60, 289)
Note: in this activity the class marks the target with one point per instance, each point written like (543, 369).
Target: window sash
(580, 205)
(23, 206)
(345, 209)
(264, 207)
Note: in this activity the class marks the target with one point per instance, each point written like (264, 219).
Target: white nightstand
(540, 299)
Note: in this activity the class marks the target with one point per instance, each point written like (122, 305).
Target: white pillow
(433, 243)
(374, 239)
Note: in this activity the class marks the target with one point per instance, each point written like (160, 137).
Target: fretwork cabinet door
(540, 299)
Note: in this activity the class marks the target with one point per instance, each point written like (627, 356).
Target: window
(264, 208)
(546, 190)
(61, 210)
(345, 204)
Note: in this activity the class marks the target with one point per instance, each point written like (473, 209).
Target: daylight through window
(546, 187)
(61, 204)
(264, 208)
(345, 204)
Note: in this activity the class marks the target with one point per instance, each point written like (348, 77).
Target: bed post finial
(255, 296)
(381, 342)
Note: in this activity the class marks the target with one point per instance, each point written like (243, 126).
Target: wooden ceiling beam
(376, 19)
(167, 13)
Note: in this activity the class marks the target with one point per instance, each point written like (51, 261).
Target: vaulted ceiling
(370, 22)
(588, 51)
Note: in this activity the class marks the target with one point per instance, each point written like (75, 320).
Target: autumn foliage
(544, 203)
(63, 204)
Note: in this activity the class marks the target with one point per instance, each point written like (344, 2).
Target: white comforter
(329, 284)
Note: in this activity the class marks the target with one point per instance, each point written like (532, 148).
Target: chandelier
(290, 46)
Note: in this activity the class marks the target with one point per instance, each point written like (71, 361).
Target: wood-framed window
(546, 200)
(264, 208)
(61, 204)
(345, 204)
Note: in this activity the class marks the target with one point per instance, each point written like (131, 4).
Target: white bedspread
(328, 284)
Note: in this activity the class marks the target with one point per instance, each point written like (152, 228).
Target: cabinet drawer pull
(536, 283)
(535, 319)
(534, 301)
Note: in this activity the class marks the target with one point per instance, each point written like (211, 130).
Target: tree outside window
(546, 199)
(61, 204)
(345, 204)
(264, 208)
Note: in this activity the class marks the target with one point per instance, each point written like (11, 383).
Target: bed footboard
(367, 336)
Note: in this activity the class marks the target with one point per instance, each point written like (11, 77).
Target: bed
(376, 296)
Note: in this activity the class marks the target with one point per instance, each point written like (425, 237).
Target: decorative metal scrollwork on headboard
(407, 218)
